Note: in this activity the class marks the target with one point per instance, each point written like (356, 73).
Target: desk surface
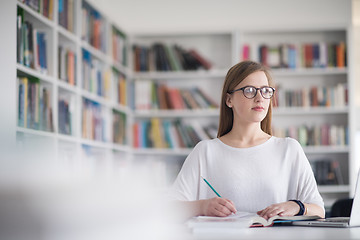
(280, 232)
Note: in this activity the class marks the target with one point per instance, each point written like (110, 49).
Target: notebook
(352, 221)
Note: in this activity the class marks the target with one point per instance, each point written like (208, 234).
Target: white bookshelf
(72, 147)
(288, 78)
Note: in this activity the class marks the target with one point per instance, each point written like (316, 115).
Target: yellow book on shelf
(157, 134)
(107, 84)
(122, 91)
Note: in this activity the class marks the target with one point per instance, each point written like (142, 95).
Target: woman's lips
(259, 109)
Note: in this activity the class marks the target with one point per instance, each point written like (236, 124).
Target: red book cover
(340, 54)
(308, 55)
(246, 52)
(136, 141)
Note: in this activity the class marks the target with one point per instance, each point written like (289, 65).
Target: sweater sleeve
(186, 185)
(307, 190)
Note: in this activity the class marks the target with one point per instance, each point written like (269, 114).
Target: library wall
(202, 15)
(8, 71)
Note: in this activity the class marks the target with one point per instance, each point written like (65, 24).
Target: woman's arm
(314, 209)
(219, 207)
(290, 208)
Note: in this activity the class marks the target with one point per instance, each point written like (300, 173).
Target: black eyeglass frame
(242, 89)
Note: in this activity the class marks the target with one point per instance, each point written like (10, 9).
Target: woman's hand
(219, 207)
(288, 208)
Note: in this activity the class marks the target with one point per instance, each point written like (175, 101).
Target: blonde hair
(234, 76)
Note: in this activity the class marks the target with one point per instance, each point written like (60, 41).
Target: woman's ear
(228, 100)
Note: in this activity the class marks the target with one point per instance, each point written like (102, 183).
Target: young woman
(252, 170)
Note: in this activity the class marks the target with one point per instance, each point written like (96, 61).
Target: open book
(237, 220)
(262, 222)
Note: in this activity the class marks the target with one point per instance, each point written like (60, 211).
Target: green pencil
(211, 186)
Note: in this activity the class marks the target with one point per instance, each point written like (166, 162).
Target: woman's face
(252, 110)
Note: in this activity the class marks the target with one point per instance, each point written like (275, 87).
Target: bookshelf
(76, 100)
(216, 49)
(95, 88)
(300, 118)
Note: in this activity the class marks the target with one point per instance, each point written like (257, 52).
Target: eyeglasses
(250, 91)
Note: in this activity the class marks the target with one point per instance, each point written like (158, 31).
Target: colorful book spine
(163, 133)
(34, 107)
(93, 28)
(162, 57)
(93, 121)
(67, 65)
(119, 47)
(305, 55)
(119, 127)
(151, 95)
(95, 78)
(31, 45)
(316, 96)
(318, 135)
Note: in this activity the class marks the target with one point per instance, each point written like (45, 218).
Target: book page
(237, 215)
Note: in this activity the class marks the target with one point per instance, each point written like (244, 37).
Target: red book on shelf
(308, 55)
(71, 67)
(314, 97)
(340, 55)
(264, 55)
(176, 100)
(136, 140)
(246, 52)
(161, 92)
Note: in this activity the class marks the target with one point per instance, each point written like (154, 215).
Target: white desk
(280, 232)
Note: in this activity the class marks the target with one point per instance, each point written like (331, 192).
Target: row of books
(320, 135)
(44, 7)
(306, 55)
(66, 114)
(152, 95)
(66, 14)
(93, 121)
(162, 57)
(67, 65)
(327, 171)
(31, 44)
(119, 127)
(93, 27)
(119, 46)
(95, 79)
(34, 105)
(329, 96)
(158, 133)
(120, 90)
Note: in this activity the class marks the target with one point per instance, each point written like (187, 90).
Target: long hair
(234, 76)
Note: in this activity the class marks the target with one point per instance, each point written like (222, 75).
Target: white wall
(156, 16)
(8, 74)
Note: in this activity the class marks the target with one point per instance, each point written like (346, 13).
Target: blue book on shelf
(86, 56)
(142, 134)
(99, 84)
(21, 105)
(292, 57)
(40, 41)
(168, 138)
(316, 55)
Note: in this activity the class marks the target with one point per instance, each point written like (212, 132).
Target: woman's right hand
(218, 207)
